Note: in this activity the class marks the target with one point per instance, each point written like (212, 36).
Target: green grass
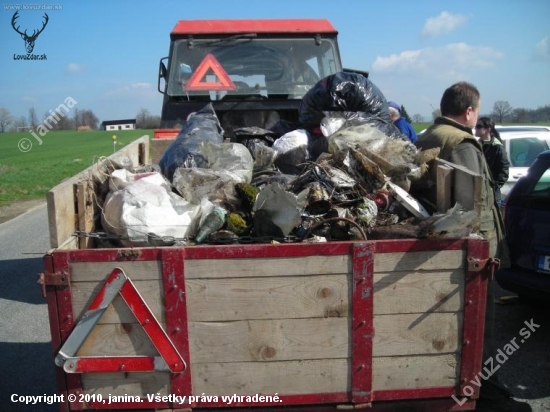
(418, 127)
(30, 175)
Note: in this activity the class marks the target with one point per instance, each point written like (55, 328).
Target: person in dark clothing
(403, 126)
(452, 133)
(495, 153)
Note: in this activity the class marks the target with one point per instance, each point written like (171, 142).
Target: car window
(542, 186)
(524, 151)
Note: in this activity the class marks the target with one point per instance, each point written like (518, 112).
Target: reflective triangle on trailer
(197, 81)
(117, 282)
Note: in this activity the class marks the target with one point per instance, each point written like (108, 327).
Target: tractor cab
(254, 72)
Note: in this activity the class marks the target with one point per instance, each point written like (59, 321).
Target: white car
(523, 145)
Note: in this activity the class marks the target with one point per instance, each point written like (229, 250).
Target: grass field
(30, 175)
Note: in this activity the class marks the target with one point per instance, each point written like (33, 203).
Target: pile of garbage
(343, 174)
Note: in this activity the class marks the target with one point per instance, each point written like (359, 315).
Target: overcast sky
(104, 55)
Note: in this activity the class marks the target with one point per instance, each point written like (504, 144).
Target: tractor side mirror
(163, 76)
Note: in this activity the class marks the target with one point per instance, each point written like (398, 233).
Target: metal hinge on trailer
(118, 283)
(52, 279)
(481, 265)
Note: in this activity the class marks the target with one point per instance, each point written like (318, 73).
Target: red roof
(185, 27)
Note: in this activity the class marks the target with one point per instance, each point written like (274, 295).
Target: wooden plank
(443, 187)
(289, 378)
(269, 340)
(418, 292)
(414, 261)
(85, 209)
(283, 266)
(61, 212)
(466, 187)
(61, 199)
(267, 298)
(417, 334)
(143, 153)
(98, 271)
(132, 383)
(123, 339)
(410, 372)
(118, 311)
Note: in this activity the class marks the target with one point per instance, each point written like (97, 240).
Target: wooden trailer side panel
(325, 323)
(271, 312)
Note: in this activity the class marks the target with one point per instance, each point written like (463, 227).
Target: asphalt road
(26, 359)
(25, 349)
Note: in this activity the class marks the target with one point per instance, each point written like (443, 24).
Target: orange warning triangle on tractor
(197, 82)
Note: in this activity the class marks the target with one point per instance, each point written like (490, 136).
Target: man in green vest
(452, 133)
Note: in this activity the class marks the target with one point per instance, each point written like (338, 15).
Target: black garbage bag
(347, 92)
(252, 137)
(202, 126)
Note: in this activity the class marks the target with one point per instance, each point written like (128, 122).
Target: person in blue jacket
(404, 126)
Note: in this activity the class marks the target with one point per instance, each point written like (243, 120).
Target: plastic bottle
(212, 222)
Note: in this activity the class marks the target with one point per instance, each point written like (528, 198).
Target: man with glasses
(452, 133)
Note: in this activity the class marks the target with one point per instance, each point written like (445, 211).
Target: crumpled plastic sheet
(147, 206)
(226, 165)
(280, 206)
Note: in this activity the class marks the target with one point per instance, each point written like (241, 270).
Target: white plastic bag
(147, 206)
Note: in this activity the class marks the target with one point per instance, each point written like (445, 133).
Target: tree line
(502, 112)
(81, 118)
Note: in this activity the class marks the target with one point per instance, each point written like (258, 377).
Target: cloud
(29, 99)
(141, 86)
(452, 61)
(442, 24)
(542, 49)
(73, 68)
(125, 100)
(132, 89)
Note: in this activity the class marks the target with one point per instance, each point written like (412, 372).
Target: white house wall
(128, 126)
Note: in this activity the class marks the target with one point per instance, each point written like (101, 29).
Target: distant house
(125, 124)
(83, 128)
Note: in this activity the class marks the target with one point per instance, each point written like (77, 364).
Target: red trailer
(379, 325)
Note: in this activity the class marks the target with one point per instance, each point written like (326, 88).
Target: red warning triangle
(117, 282)
(197, 80)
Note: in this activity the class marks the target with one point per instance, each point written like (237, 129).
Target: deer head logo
(29, 40)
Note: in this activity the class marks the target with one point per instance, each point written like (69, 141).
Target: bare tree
(89, 119)
(6, 119)
(418, 118)
(501, 110)
(77, 117)
(144, 120)
(520, 115)
(33, 119)
(64, 123)
(21, 123)
(436, 113)
(142, 117)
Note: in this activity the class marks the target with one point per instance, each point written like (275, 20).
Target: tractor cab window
(265, 68)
